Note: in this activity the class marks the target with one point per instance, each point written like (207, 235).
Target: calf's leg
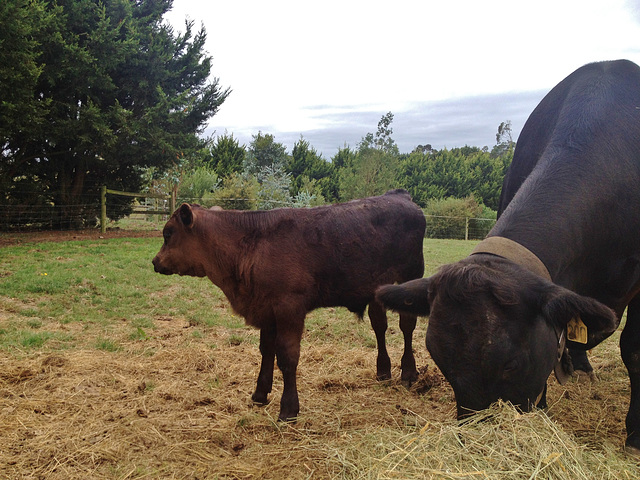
(580, 361)
(581, 366)
(268, 351)
(289, 327)
(408, 364)
(378, 318)
(630, 349)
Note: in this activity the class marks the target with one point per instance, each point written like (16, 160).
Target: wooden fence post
(156, 209)
(103, 209)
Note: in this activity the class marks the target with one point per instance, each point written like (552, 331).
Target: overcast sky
(450, 71)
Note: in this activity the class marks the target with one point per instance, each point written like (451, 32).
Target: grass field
(109, 370)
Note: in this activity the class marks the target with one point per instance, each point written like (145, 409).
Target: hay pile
(177, 405)
(499, 443)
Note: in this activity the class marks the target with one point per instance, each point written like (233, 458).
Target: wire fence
(24, 218)
(458, 228)
(28, 218)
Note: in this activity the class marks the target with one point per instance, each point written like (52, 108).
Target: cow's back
(333, 255)
(577, 208)
(362, 244)
(567, 109)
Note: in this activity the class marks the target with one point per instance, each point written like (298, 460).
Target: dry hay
(178, 406)
(497, 443)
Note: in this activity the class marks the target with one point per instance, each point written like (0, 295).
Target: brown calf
(276, 266)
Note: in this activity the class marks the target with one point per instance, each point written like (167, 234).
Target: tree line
(106, 92)
(264, 175)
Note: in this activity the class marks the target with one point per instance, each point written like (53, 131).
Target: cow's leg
(287, 355)
(408, 364)
(630, 349)
(268, 351)
(378, 318)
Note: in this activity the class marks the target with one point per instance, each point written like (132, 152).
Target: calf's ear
(588, 321)
(409, 297)
(186, 215)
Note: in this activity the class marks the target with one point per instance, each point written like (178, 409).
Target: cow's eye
(511, 367)
(167, 235)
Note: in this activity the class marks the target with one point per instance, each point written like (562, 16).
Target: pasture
(111, 371)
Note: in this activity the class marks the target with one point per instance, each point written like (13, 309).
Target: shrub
(196, 185)
(238, 192)
(274, 187)
(458, 218)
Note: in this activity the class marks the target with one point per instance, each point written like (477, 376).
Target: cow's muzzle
(157, 266)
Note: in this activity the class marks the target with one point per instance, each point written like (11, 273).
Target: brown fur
(276, 266)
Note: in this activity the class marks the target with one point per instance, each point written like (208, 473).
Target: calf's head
(182, 251)
(495, 328)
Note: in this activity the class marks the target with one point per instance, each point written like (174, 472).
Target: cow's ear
(409, 297)
(588, 321)
(186, 215)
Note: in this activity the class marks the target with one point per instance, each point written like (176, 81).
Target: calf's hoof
(260, 398)
(288, 417)
(409, 378)
(582, 376)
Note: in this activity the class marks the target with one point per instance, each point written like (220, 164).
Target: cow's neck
(513, 251)
(554, 217)
(588, 243)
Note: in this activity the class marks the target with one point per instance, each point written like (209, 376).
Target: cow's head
(182, 251)
(495, 328)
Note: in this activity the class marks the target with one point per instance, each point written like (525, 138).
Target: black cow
(518, 171)
(276, 266)
(563, 260)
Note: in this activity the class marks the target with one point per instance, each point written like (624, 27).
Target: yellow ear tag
(577, 331)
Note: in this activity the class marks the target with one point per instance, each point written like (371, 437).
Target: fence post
(103, 209)
(466, 228)
(174, 197)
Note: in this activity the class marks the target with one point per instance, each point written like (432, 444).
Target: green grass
(107, 345)
(96, 284)
(99, 284)
(30, 338)
(438, 252)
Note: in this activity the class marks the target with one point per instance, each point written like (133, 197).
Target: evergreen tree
(372, 172)
(458, 173)
(264, 151)
(343, 157)
(309, 169)
(227, 156)
(115, 90)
